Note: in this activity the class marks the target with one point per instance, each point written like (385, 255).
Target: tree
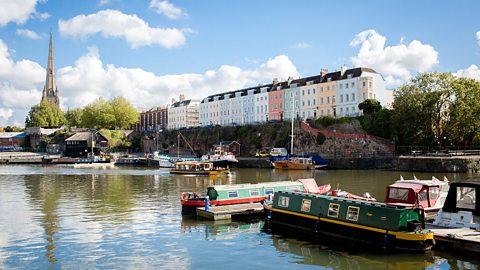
(370, 106)
(45, 114)
(124, 113)
(117, 113)
(74, 117)
(464, 124)
(98, 114)
(421, 109)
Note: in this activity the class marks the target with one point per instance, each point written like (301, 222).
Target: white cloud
(5, 113)
(18, 11)
(302, 45)
(165, 8)
(472, 72)
(104, 2)
(478, 38)
(19, 86)
(90, 78)
(115, 24)
(396, 63)
(28, 33)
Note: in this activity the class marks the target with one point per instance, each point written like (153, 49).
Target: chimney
(289, 80)
(181, 98)
(343, 69)
(275, 81)
(323, 72)
(173, 100)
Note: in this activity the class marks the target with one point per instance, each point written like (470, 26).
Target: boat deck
(457, 239)
(227, 211)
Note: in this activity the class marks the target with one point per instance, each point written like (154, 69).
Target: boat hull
(329, 231)
(191, 172)
(287, 165)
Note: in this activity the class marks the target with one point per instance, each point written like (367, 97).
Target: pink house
(275, 103)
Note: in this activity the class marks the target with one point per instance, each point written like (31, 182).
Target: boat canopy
(462, 197)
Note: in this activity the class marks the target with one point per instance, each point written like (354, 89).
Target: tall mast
(293, 118)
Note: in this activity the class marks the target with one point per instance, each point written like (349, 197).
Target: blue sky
(150, 51)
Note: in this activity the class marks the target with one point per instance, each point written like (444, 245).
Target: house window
(333, 210)
(352, 84)
(283, 201)
(232, 194)
(308, 91)
(306, 205)
(341, 86)
(352, 213)
(313, 90)
(353, 97)
(364, 84)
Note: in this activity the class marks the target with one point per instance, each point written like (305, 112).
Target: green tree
(45, 114)
(125, 114)
(74, 117)
(464, 124)
(421, 109)
(370, 106)
(98, 114)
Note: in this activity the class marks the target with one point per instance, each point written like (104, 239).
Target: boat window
(352, 213)
(254, 193)
(433, 193)
(333, 210)
(283, 201)
(398, 194)
(422, 196)
(466, 197)
(269, 191)
(232, 194)
(306, 205)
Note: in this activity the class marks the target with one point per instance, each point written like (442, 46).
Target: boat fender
(207, 203)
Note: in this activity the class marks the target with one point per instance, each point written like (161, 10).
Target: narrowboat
(245, 193)
(427, 194)
(295, 163)
(329, 218)
(198, 168)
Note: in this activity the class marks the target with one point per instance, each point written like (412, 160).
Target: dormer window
(349, 76)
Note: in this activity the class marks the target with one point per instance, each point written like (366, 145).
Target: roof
(84, 136)
(227, 142)
(11, 135)
(181, 103)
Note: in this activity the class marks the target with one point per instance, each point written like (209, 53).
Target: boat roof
(259, 185)
(193, 162)
(416, 185)
(424, 182)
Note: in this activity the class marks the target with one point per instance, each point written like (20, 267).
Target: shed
(228, 146)
(82, 144)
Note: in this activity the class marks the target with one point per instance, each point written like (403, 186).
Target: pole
(92, 147)
(293, 118)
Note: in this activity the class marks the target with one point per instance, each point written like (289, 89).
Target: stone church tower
(50, 91)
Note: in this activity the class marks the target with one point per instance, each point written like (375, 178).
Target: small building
(38, 137)
(82, 144)
(228, 146)
(12, 141)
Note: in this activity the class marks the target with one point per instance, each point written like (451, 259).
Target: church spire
(50, 91)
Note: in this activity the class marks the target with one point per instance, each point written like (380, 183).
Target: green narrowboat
(235, 194)
(354, 221)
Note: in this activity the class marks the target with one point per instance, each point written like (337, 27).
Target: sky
(150, 51)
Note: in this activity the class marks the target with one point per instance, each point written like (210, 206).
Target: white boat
(461, 209)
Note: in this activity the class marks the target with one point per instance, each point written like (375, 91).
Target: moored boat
(461, 209)
(427, 194)
(198, 168)
(245, 193)
(354, 221)
(295, 163)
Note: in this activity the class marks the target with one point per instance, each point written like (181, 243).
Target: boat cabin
(423, 195)
(301, 160)
(461, 208)
(194, 166)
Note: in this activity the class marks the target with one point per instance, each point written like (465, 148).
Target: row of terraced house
(336, 93)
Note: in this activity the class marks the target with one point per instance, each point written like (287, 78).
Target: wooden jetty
(457, 239)
(224, 212)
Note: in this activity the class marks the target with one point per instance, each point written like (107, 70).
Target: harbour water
(124, 218)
